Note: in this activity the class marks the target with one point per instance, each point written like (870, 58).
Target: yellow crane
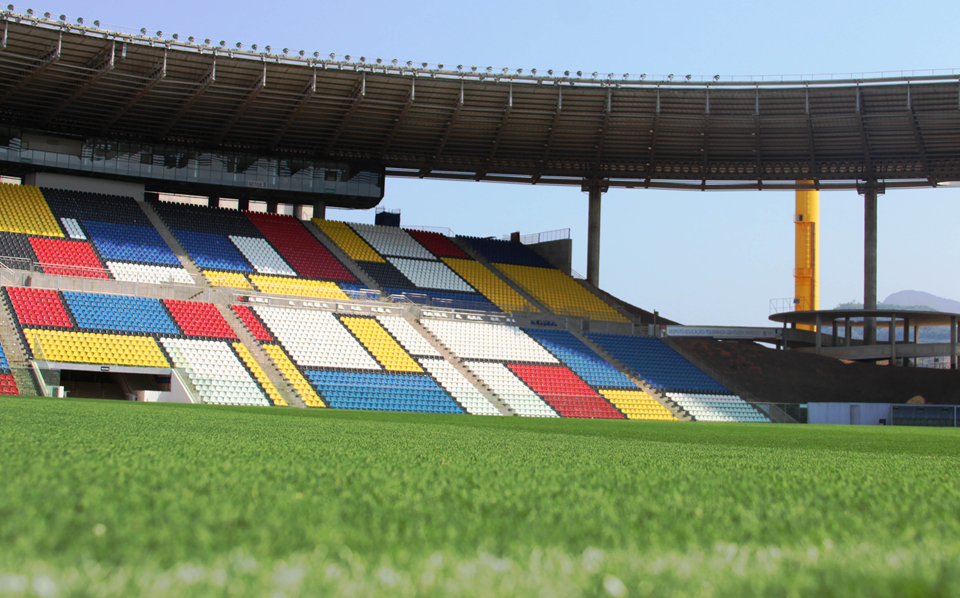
(806, 273)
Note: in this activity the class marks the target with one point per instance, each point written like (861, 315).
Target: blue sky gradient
(700, 258)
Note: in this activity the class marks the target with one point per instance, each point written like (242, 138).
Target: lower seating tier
(718, 407)
(382, 391)
(654, 361)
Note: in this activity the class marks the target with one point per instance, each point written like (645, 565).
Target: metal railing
(550, 235)
(785, 304)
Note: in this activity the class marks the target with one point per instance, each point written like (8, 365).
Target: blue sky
(700, 258)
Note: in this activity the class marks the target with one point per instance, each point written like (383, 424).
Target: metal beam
(304, 99)
(43, 63)
(251, 96)
(398, 122)
(652, 166)
(551, 134)
(358, 93)
(446, 132)
(156, 77)
(864, 140)
(503, 125)
(814, 168)
(607, 108)
(105, 61)
(757, 145)
(918, 138)
(202, 86)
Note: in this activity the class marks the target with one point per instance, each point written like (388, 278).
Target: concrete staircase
(460, 367)
(466, 248)
(677, 411)
(333, 248)
(174, 244)
(285, 389)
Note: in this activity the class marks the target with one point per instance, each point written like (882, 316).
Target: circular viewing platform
(806, 334)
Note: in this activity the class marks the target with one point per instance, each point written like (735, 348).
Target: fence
(550, 235)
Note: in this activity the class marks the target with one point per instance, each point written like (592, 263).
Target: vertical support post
(243, 205)
(595, 190)
(213, 201)
(272, 206)
(833, 332)
(869, 259)
(319, 209)
(906, 329)
(893, 340)
(953, 342)
(806, 272)
(847, 332)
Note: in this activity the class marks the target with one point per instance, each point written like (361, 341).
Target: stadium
(169, 261)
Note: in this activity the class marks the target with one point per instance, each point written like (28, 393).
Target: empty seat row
(717, 407)
(392, 241)
(560, 293)
(482, 340)
(506, 252)
(580, 358)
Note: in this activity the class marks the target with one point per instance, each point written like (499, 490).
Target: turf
(119, 499)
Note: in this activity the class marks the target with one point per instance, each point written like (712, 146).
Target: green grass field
(121, 499)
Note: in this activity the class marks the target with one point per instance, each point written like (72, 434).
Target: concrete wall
(870, 414)
(559, 253)
(79, 183)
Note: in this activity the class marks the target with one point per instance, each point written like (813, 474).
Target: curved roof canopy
(73, 79)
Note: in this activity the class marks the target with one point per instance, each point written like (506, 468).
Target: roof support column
(953, 342)
(595, 189)
(870, 190)
(319, 209)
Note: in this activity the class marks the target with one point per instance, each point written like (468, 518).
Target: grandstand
(275, 318)
(205, 303)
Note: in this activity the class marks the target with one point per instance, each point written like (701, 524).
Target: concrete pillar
(833, 332)
(272, 206)
(320, 209)
(847, 333)
(593, 236)
(893, 341)
(243, 205)
(953, 342)
(870, 260)
(213, 201)
(906, 329)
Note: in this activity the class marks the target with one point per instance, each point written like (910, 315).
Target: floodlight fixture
(223, 44)
(670, 77)
(519, 71)
(688, 77)
(626, 75)
(459, 67)
(63, 17)
(206, 42)
(239, 45)
(423, 64)
(363, 59)
(534, 71)
(96, 23)
(379, 60)
(286, 51)
(159, 33)
(409, 63)
(566, 73)
(176, 36)
(489, 69)
(505, 69)
(394, 62)
(46, 15)
(347, 58)
(190, 39)
(79, 20)
(473, 68)
(550, 72)
(302, 52)
(440, 66)
(143, 31)
(579, 73)
(643, 76)
(316, 54)
(332, 55)
(267, 48)
(716, 77)
(10, 7)
(30, 11)
(254, 47)
(594, 74)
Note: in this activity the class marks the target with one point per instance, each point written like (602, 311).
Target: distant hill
(922, 298)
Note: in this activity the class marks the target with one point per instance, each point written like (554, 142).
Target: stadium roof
(482, 124)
